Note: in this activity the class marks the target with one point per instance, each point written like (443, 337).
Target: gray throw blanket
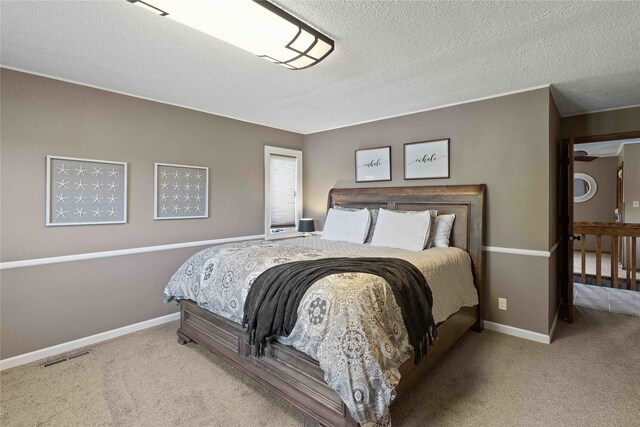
(272, 303)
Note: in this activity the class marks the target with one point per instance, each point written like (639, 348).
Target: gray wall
(502, 142)
(555, 132)
(623, 120)
(600, 207)
(48, 305)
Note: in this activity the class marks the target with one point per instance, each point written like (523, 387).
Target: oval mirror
(584, 187)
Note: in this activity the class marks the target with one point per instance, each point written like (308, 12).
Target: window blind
(283, 190)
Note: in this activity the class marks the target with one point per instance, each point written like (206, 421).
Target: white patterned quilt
(350, 323)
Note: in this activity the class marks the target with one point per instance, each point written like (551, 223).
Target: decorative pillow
(402, 230)
(347, 226)
(442, 232)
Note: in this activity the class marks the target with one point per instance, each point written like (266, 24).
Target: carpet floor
(588, 376)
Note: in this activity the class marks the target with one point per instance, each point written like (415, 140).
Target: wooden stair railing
(627, 232)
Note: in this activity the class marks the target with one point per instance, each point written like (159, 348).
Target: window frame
(289, 231)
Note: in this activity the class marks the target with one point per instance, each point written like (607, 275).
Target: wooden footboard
(292, 374)
(286, 371)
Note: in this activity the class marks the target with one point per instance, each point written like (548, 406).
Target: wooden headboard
(465, 201)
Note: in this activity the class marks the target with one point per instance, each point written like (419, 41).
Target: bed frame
(298, 378)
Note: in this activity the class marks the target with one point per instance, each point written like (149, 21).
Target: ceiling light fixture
(259, 27)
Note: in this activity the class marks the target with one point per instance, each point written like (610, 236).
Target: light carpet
(588, 376)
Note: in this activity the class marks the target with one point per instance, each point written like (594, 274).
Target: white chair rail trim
(516, 251)
(120, 252)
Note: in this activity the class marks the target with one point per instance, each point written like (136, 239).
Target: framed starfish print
(180, 191)
(85, 191)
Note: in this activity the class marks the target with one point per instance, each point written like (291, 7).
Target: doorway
(601, 223)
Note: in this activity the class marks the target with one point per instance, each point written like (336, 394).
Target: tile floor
(616, 300)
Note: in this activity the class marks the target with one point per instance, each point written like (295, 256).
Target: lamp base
(306, 234)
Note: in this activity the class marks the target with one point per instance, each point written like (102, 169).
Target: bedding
(271, 307)
(349, 322)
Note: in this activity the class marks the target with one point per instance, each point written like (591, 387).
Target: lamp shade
(305, 225)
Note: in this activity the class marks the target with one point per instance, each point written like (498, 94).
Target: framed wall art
(180, 191)
(427, 159)
(373, 164)
(85, 191)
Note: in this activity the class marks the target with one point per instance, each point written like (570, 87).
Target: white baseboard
(83, 342)
(520, 333)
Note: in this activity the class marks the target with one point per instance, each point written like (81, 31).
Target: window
(282, 191)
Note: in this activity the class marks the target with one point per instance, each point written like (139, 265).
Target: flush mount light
(259, 27)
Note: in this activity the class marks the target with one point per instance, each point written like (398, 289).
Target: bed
(296, 376)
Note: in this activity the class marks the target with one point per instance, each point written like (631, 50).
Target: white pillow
(402, 230)
(442, 233)
(347, 226)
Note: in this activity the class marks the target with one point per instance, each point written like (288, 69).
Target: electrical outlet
(636, 204)
(502, 303)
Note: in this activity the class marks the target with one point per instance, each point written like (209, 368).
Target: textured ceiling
(391, 58)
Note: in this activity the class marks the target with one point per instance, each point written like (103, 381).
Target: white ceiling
(391, 58)
(605, 148)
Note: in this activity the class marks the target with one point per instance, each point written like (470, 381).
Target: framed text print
(425, 160)
(180, 192)
(85, 191)
(373, 164)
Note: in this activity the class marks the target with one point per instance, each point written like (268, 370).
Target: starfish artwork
(83, 191)
(177, 187)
